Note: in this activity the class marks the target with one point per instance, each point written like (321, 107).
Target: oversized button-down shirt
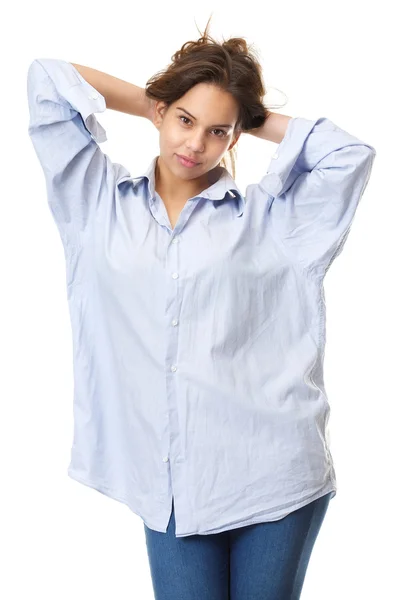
(198, 350)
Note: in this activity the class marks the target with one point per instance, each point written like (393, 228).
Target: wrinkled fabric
(198, 350)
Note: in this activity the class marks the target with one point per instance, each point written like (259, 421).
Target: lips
(188, 158)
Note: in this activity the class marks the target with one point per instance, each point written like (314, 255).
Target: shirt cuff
(275, 182)
(82, 96)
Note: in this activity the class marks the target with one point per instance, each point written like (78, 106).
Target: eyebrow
(219, 125)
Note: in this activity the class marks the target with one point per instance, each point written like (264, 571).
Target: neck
(176, 190)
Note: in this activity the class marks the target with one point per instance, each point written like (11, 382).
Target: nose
(195, 143)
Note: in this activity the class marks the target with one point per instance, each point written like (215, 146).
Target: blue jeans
(264, 561)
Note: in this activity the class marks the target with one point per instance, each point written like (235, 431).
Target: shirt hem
(115, 495)
(267, 518)
(110, 493)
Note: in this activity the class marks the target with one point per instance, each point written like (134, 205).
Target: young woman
(198, 313)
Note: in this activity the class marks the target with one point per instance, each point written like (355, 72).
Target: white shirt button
(174, 240)
(173, 368)
(275, 155)
(174, 323)
(94, 96)
(165, 458)
(174, 275)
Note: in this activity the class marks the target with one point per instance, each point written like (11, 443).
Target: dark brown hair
(231, 65)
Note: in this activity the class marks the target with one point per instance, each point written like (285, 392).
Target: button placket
(171, 444)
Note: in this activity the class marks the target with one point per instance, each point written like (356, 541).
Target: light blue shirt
(198, 350)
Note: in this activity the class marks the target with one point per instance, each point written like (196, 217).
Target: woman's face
(200, 125)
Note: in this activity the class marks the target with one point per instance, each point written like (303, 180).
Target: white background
(62, 540)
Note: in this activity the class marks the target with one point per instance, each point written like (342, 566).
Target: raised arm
(63, 101)
(119, 95)
(313, 186)
(273, 129)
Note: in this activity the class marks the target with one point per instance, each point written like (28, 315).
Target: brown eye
(224, 133)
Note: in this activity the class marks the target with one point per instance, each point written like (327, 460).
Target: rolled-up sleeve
(65, 134)
(315, 182)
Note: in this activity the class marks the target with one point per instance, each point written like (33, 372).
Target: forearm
(119, 95)
(273, 129)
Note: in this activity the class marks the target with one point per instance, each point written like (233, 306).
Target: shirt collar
(218, 191)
